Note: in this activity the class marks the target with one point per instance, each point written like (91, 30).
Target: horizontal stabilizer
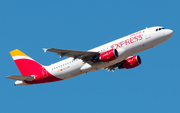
(29, 78)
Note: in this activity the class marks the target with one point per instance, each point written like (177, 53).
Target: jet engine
(109, 55)
(131, 62)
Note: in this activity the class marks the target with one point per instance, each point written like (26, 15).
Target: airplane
(116, 54)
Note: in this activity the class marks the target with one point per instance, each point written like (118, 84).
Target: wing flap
(28, 78)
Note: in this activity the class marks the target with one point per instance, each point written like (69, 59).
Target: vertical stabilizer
(26, 65)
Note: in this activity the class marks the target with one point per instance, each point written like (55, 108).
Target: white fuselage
(126, 46)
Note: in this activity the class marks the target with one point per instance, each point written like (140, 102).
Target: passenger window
(156, 29)
(159, 28)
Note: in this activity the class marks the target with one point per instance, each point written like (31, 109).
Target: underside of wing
(113, 67)
(20, 77)
(84, 55)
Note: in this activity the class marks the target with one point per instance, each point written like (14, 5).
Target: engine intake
(131, 62)
(109, 55)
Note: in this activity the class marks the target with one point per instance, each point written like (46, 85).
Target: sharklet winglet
(44, 50)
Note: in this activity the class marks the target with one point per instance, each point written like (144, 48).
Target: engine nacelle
(109, 55)
(131, 62)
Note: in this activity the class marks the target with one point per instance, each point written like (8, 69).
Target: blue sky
(152, 87)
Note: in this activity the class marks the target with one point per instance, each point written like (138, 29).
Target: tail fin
(26, 65)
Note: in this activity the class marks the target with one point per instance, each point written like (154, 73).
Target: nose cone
(169, 33)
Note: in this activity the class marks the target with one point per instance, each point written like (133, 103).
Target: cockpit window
(160, 29)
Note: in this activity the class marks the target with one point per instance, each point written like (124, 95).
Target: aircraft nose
(169, 32)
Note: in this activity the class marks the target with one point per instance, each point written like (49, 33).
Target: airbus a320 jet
(116, 54)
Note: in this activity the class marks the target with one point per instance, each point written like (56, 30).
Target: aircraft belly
(72, 71)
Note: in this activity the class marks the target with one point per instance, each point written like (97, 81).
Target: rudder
(26, 65)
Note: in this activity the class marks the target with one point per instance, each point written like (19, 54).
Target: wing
(83, 55)
(112, 67)
(20, 77)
